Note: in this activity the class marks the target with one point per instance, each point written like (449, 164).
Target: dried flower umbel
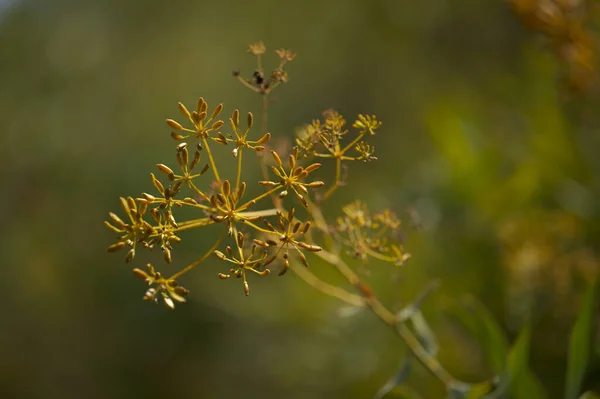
(271, 229)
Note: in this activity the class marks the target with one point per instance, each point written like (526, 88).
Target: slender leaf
(396, 380)
(518, 359)
(424, 333)
(579, 347)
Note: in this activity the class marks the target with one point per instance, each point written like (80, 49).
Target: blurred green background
(480, 148)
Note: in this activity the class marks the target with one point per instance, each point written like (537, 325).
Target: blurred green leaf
(510, 366)
(579, 347)
(590, 395)
(484, 328)
(396, 380)
(519, 353)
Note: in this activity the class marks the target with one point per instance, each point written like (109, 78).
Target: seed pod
(223, 276)
(217, 111)
(266, 137)
(250, 120)
(268, 183)
(169, 302)
(303, 259)
(315, 184)
(174, 125)
(283, 194)
(240, 239)
(116, 247)
(277, 159)
(235, 117)
(167, 255)
(166, 170)
(140, 274)
(291, 213)
(176, 136)
(226, 187)
(130, 255)
(312, 167)
(220, 255)
(157, 184)
(241, 190)
(286, 265)
(246, 288)
(217, 125)
(308, 247)
(183, 110)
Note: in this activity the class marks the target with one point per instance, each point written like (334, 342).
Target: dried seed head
(223, 276)
(246, 288)
(221, 256)
(217, 125)
(283, 194)
(176, 136)
(291, 213)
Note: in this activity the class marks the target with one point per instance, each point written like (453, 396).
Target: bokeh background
(486, 152)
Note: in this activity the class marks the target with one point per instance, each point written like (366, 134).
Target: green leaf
(481, 324)
(518, 356)
(579, 347)
(511, 367)
(424, 333)
(396, 380)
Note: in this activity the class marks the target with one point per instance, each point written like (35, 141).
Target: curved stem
(389, 318)
(326, 288)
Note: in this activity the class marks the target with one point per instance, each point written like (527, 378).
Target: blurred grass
(502, 172)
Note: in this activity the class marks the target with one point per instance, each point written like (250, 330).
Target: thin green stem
(263, 195)
(356, 140)
(211, 160)
(191, 224)
(202, 259)
(239, 168)
(338, 175)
